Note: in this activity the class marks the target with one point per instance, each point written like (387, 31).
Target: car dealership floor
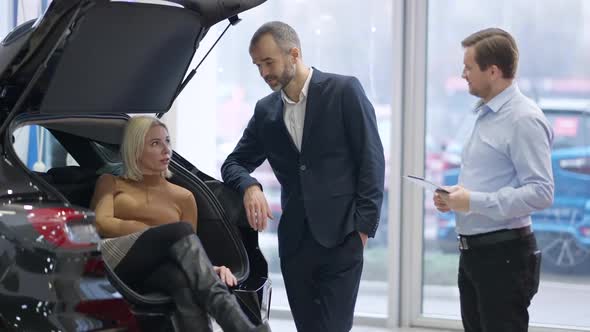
(285, 325)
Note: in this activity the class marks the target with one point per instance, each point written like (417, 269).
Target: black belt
(467, 242)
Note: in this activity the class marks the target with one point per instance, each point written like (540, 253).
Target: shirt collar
(499, 100)
(302, 94)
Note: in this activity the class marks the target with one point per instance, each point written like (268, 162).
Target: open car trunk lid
(106, 56)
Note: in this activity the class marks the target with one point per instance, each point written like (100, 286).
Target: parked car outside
(563, 230)
(67, 82)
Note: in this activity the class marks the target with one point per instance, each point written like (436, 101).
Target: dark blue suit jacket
(336, 182)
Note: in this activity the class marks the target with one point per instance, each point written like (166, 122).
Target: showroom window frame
(395, 230)
(411, 229)
(394, 254)
(412, 161)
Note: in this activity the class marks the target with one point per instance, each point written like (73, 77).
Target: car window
(39, 150)
(109, 153)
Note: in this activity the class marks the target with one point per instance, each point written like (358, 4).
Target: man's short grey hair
(282, 33)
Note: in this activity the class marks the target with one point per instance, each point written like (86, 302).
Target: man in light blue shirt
(505, 176)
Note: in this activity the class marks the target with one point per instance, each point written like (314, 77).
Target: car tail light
(578, 165)
(64, 227)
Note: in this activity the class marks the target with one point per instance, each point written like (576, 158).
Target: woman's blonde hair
(133, 143)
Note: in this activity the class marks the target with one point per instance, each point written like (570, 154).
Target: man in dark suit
(319, 134)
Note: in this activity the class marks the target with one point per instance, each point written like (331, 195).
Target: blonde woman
(150, 227)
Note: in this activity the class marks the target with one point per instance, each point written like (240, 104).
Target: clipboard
(426, 184)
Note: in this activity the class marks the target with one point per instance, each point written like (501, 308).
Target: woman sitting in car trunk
(150, 224)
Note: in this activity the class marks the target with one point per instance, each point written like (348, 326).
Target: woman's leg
(210, 291)
(169, 279)
(178, 241)
(150, 251)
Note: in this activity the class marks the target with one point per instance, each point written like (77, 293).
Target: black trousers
(496, 285)
(322, 283)
(148, 266)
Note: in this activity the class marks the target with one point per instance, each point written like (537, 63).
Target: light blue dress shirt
(506, 164)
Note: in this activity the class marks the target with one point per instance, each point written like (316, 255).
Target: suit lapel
(311, 106)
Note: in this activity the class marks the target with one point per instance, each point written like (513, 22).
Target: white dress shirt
(294, 114)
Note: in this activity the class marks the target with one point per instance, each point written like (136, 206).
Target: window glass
(6, 18)
(560, 84)
(38, 149)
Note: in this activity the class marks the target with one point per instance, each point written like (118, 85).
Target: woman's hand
(225, 275)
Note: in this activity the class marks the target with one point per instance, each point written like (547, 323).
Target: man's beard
(286, 77)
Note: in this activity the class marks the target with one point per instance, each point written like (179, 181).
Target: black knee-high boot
(208, 289)
(189, 316)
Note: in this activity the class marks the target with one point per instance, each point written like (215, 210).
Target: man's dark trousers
(496, 285)
(322, 283)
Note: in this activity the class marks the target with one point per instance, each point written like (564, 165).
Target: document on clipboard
(425, 184)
